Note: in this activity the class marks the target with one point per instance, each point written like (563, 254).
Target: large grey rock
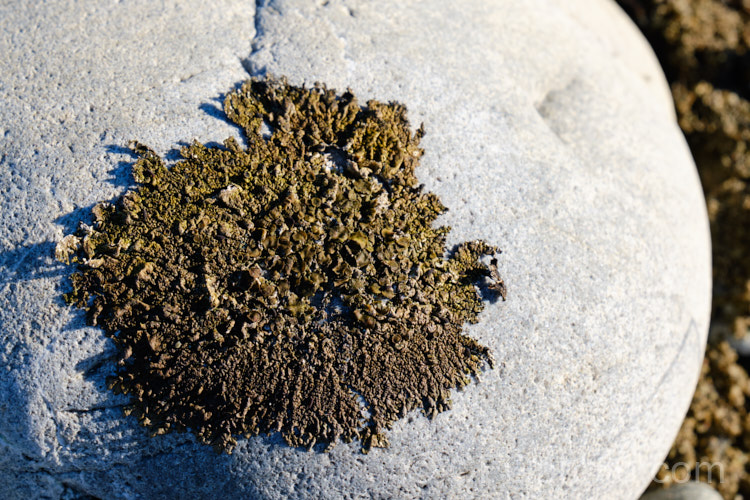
(544, 136)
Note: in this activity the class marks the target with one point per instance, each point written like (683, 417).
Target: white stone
(691, 490)
(545, 136)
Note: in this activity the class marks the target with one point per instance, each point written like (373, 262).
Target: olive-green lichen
(297, 285)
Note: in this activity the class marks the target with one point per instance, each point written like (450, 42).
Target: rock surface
(544, 136)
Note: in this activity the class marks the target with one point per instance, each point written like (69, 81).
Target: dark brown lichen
(297, 285)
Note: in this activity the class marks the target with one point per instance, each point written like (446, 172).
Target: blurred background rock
(703, 46)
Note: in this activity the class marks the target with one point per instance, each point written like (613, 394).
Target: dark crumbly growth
(714, 437)
(296, 286)
(704, 47)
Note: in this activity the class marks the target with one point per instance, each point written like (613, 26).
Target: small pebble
(685, 491)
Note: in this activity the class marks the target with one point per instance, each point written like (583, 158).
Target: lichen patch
(295, 286)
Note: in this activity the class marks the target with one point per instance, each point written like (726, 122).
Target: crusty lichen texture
(297, 285)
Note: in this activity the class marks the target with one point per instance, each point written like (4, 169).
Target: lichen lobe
(276, 287)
